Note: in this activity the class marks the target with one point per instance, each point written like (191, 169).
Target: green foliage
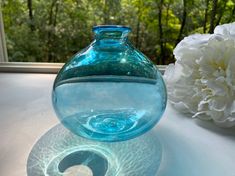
(58, 29)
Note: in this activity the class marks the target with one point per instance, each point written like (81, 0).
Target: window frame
(3, 49)
(36, 67)
(30, 67)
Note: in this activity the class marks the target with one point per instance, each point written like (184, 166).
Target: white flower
(227, 30)
(202, 81)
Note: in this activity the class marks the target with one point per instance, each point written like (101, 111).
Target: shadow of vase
(60, 152)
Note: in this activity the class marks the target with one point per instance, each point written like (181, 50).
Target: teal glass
(109, 91)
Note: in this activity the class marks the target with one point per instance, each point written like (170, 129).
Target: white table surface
(191, 147)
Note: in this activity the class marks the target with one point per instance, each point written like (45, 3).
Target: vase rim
(111, 27)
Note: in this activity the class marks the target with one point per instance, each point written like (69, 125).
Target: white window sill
(190, 147)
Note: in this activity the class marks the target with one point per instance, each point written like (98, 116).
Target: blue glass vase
(109, 91)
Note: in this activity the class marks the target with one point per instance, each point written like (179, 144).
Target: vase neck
(110, 33)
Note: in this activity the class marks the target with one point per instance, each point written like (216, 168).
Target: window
(54, 30)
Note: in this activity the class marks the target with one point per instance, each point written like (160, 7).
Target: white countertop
(191, 147)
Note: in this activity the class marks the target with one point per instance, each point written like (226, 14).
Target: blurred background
(54, 30)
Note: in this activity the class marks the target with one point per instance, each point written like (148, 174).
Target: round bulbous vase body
(109, 91)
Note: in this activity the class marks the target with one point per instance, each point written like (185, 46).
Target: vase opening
(113, 32)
